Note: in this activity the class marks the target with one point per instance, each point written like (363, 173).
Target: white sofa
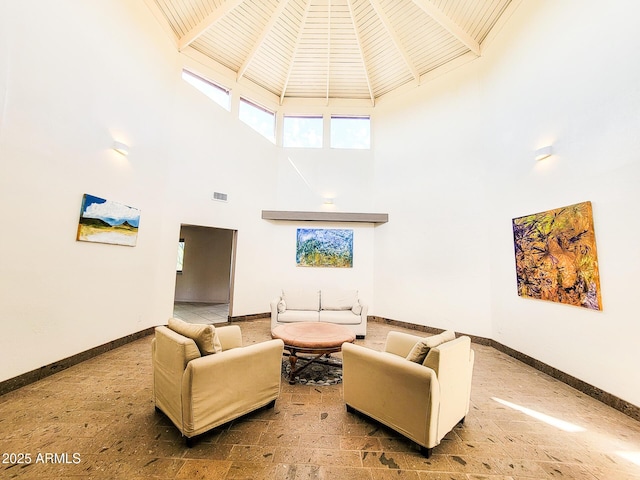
(338, 306)
(419, 387)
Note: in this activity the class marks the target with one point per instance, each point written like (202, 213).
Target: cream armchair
(199, 392)
(422, 401)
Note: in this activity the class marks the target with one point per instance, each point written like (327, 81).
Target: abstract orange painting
(556, 256)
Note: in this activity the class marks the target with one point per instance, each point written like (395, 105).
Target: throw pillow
(282, 306)
(420, 350)
(205, 336)
(357, 308)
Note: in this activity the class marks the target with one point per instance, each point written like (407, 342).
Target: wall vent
(221, 197)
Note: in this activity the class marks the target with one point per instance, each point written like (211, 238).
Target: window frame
(348, 117)
(257, 106)
(209, 83)
(310, 116)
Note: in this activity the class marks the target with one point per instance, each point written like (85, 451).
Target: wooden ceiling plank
(328, 49)
(275, 16)
(295, 51)
(449, 25)
(361, 50)
(396, 39)
(210, 20)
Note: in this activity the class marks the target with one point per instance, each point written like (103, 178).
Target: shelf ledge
(378, 218)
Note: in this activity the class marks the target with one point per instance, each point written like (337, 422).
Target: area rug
(329, 372)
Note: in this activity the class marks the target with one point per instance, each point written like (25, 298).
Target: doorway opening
(205, 274)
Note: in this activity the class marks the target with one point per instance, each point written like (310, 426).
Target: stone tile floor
(96, 420)
(208, 313)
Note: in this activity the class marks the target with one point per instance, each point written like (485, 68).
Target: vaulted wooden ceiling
(331, 49)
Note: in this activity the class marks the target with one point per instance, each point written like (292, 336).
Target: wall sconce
(121, 148)
(328, 201)
(543, 152)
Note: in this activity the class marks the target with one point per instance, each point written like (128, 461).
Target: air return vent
(221, 197)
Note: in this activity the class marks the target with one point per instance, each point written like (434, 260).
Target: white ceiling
(330, 49)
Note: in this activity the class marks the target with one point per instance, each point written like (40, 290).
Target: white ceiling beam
(396, 39)
(361, 49)
(267, 29)
(295, 51)
(328, 49)
(208, 21)
(452, 27)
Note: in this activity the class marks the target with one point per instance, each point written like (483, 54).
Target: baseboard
(608, 399)
(248, 318)
(33, 376)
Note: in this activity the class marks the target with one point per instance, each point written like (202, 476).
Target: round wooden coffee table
(316, 338)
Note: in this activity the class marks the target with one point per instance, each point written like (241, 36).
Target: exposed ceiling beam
(395, 38)
(364, 61)
(265, 31)
(328, 50)
(452, 27)
(295, 51)
(208, 21)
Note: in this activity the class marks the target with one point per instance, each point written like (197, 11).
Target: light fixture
(543, 152)
(328, 201)
(121, 148)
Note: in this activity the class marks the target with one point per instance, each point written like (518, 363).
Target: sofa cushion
(341, 317)
(302, 299)
(420, 350)
(291, 316)
(357, 308)
(337, 299)
(205, 336)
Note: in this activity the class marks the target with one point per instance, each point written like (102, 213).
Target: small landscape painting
(556, 258)
(104, 221)
(320, 247)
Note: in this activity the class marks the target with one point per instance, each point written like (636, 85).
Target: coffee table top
(313, 335)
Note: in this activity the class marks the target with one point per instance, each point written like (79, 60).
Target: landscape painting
(556, 258)
(104, 221)
(320, 247)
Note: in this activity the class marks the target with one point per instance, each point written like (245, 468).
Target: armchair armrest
(400, 343)
(230, 337)
(401, 394)
(274, 308)
(364, 312)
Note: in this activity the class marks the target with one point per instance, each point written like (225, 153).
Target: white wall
(432, 263)
(456, 158)
(572, 81)
(69, 86)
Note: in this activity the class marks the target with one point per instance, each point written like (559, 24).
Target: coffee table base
(294, 357)
(314, 338)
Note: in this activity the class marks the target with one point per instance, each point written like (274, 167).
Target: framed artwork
(321, 247)
(556, 257)
(104, 221)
